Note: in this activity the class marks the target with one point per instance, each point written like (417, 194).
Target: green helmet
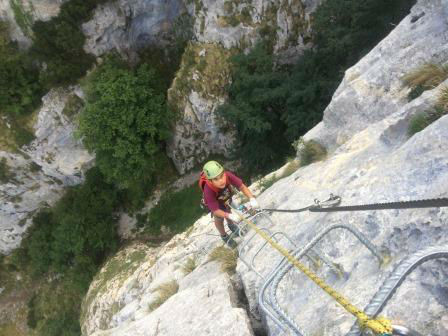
(212, 169)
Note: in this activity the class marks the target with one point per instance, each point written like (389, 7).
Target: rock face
(376, 161)
(241, 23)
(130, 25)
(21, 14)
(197, 90)
(219, 29)
(118, 302)
(223, 28)
(373, 88)
(40, 171)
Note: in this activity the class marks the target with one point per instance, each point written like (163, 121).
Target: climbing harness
(380, 326)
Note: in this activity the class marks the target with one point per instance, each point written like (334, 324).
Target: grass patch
(291, 168)
(72, 106)
(9, 329)
(309, 151)
(175, 210)
(442, 100)
(190, 265)
(423, 120)
(227, 257)
(5, 172)
(425, 77)
(417, 123)
(15, 132)
(165, 291)
(267, 182)
(210, 62)
(23, 18)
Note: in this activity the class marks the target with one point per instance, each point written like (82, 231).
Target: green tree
(72, 239)
(19, 86)
(125, 121)
(255, 108)
(58, 43)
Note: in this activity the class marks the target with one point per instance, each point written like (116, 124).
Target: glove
(233, 217)
(254, 204)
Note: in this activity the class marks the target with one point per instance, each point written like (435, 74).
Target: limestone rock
(373, 89)
(40, 171)
(238, 23)
(28, 11)
(199, 132)
(130, 25)
(119, 298)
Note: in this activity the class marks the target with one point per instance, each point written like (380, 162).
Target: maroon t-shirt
(211, 198)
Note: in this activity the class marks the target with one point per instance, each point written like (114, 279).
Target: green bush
(270, 107)
(59, 43)
(255, 108)
(417, 123)
(310, 151)
(165, 291)
(20, 91)
(5, 173)
(72, 240)
(422, 120)
(81, 225)
(55, 309)
(176, 210)
(125, 121)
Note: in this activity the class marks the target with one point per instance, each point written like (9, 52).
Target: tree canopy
(125, 120)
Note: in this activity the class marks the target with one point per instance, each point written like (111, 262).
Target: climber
(218, 188)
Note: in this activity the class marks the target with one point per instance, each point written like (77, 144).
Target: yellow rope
(380, 326)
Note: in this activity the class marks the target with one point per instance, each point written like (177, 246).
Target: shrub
(79, 229)
(442, 101)
(422, 120)
(227, 257)
(55, 309)
(310, 151)
(20, 91)
(165, 291)
(5, 173)
(59, 43)
(187, 210)
(189, 265)
(72, 106)
(427, 76)
(125, 121)
(255, 107)
(267, 182)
